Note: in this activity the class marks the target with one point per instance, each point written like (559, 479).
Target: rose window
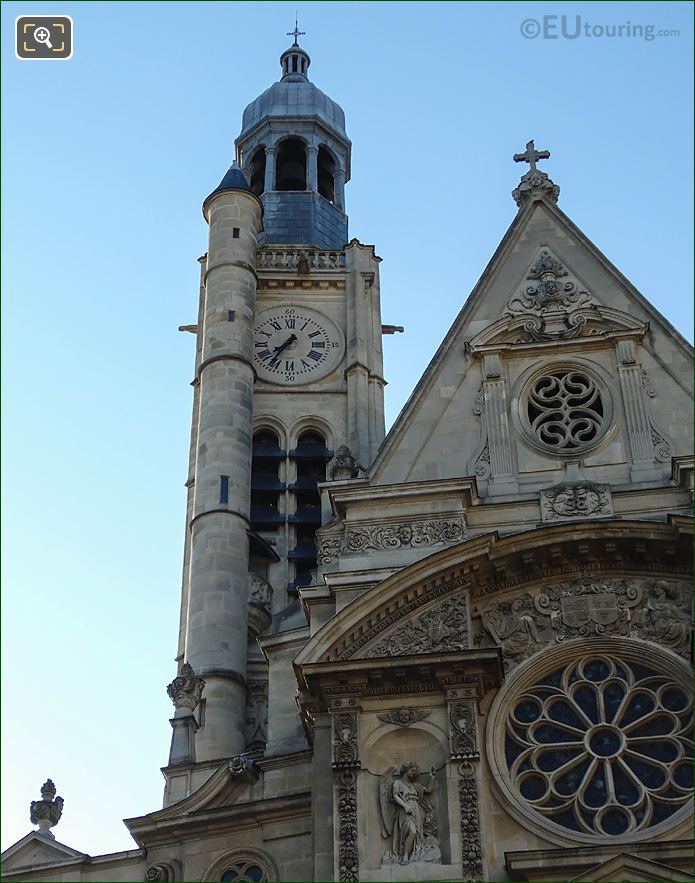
(565, 410)
(601, 746)
(245, 872)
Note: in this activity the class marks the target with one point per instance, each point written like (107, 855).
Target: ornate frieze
(443, 628)
(582, 499)
(404, 717)
(379, 537)
(471, 849)
(299, 259)
(657, 610)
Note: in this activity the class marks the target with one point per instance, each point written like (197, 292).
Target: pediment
(35, 850)
(627, 868)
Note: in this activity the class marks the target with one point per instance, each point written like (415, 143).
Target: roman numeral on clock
(315, 356)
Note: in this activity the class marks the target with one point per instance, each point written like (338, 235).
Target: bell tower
(289, 373)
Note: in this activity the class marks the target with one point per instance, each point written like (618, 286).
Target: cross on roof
(296, 32)
(531, 155)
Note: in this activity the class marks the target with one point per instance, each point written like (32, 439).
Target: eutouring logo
(572, 27)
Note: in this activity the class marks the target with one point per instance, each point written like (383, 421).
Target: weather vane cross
(296, 32)
(531, 155)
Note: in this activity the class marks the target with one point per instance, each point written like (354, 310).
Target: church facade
(460, 651)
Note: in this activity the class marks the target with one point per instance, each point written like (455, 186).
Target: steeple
(295, 154)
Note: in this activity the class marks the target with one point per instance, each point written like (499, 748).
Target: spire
(534, 184)
(295, 61)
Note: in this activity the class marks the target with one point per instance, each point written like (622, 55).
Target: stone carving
(665, 617)
(662, 449)
(552, 303)
(482, 464)
(290, 259)
(533, 184)
(260, 591)
(565, 410)
(397, 536)
(471, 851)
(512, 626)
(165, 872)
(407, 816)
(377, 537)
(345, 745)
(343, 465)
(479, 401)
(328, 547)
(442, 628)
(186, 688)
(404, 717)
(582, 499)
(46, 812)
(586, 606)
(239, 764)
(462, 730)
(647, 384)
(348, 857)
(256, 715)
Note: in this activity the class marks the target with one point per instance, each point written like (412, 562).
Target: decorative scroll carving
(482, 464)
(186, 688)
(343, 465)
(292, 258)
(407, 816)
(463, 739)
(345, 740)
(377, 537)
(479, 401)
(348, 858)
(647, 384)
(471, 850)
(443, 628)
(404, 717)
(552, 303)
(662, 449)
(582, 499)
(565, 410)
(256, 715)
(665, 617)
(46, 812)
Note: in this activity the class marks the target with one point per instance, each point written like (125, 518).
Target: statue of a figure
(515, 633)
(408, 816)
(664, 617)
(46, 812)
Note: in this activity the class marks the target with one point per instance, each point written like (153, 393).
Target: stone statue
(408, 816)
(46, 812)
(343, 465)
(664, 618)
(513, 629)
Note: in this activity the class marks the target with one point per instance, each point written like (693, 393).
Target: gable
(35, 850)
(625, 867)
(509, 328)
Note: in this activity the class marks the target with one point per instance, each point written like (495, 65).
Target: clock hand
(278, 349)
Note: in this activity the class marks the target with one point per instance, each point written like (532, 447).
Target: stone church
(458, 651)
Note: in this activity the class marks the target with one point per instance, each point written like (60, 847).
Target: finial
(46, 812)
(343, 465)
(296, 32)
(186, 688)
(534, 184)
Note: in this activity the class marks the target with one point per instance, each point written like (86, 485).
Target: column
(312, 168)
(339, 189)
(269, 183)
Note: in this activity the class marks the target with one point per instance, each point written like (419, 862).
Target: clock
(295, 345)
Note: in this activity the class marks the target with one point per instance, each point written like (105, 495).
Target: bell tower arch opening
(326, 174)
(291, 165)
(257, 171)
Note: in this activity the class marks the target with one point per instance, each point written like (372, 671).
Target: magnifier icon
(43, 35)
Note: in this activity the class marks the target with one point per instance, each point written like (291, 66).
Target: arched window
(326, 174)
(291, 165)
(311, 456)
(266, 485)
(258, 171)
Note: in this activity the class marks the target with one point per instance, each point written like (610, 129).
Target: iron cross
(531, 155)
(296, 32)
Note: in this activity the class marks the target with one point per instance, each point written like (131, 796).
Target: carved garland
(346, 762)
(471, 851)
(378, 537)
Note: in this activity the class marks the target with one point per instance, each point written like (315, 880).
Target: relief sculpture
(407, 815)
(665, 617)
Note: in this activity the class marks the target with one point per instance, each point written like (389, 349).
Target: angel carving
(407, 816)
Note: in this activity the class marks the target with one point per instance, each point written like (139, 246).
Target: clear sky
(106, 160)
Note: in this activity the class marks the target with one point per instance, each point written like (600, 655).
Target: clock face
(295, 345)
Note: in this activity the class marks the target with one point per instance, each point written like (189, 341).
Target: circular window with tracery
(565, 409)
(601, 744)
(245, 872)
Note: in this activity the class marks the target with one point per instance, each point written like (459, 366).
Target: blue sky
(106, 160)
